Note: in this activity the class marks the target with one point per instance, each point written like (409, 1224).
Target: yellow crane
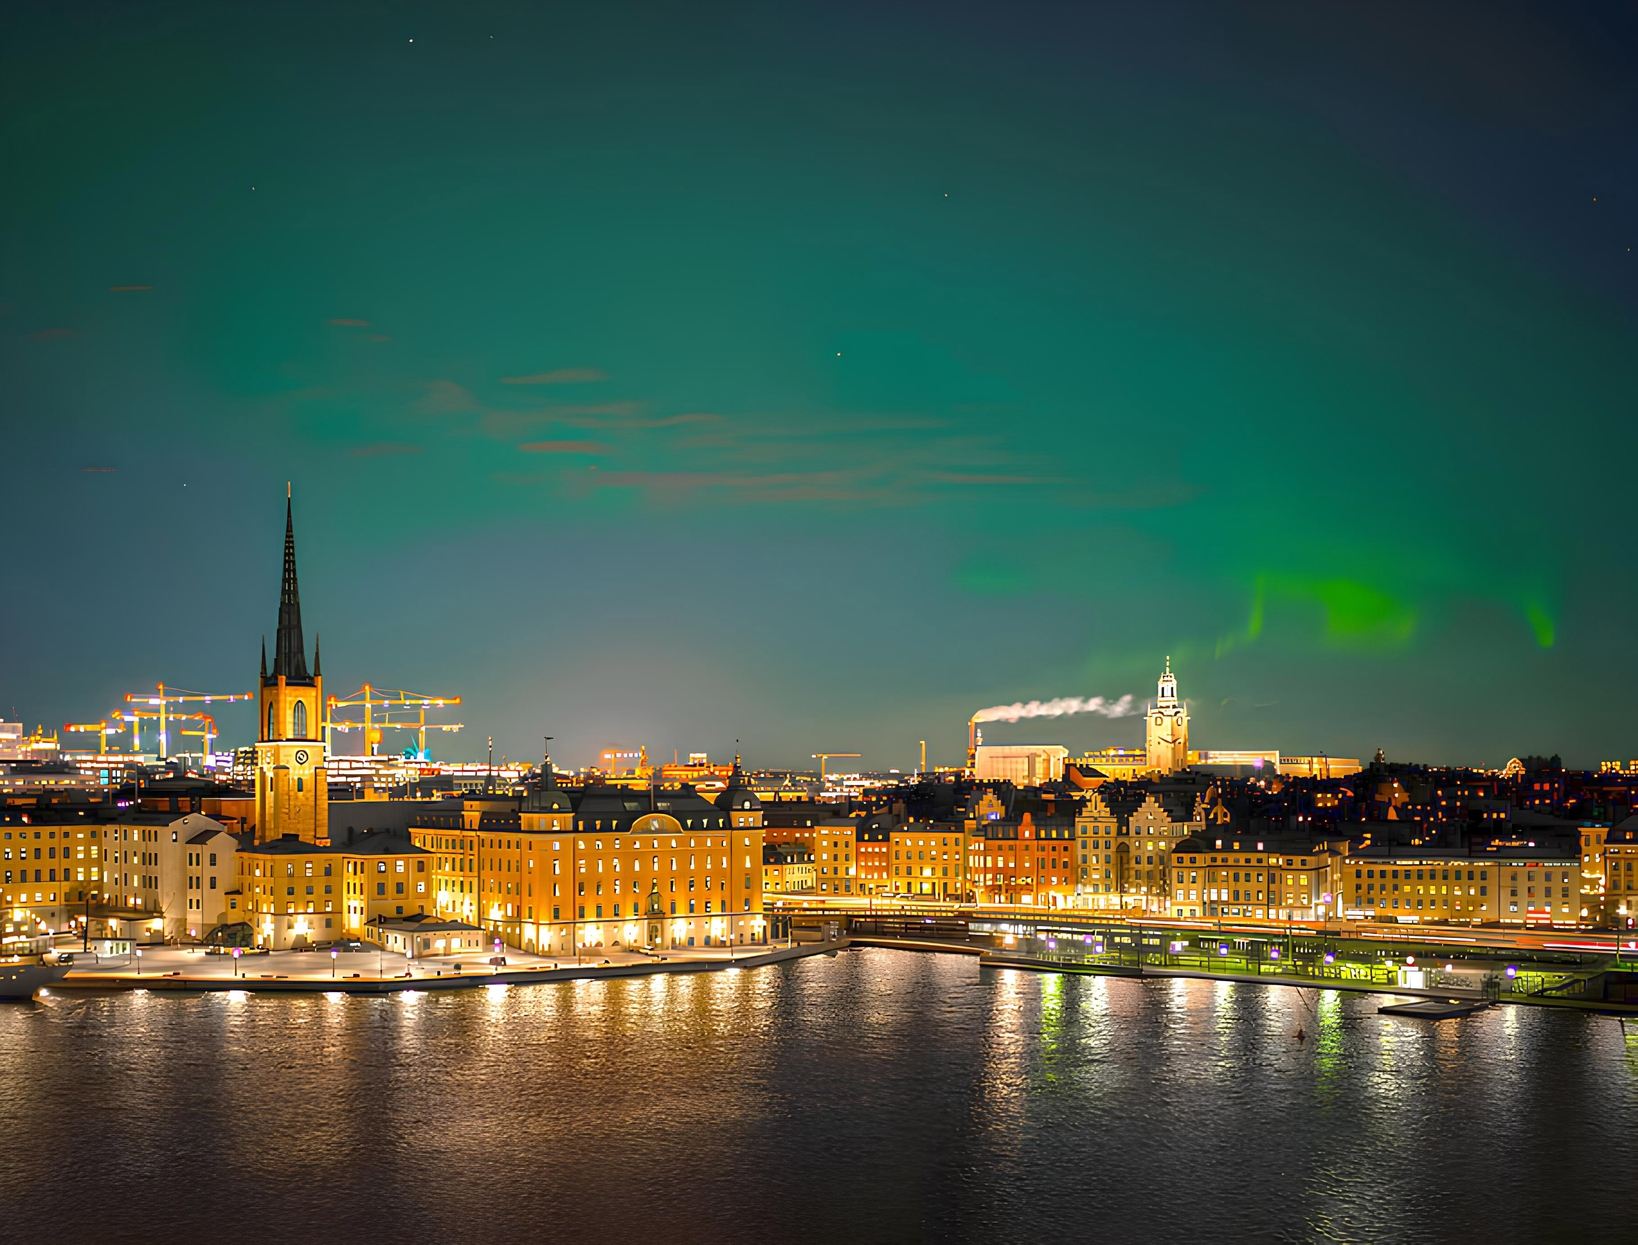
(823, 757)
(206, 734)
(136, 717)
(419, 725)
(371, 698)
(101, 729)
(164, 697)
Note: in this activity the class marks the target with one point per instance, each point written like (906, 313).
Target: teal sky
(818, 374)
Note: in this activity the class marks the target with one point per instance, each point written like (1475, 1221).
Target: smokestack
(972, 743)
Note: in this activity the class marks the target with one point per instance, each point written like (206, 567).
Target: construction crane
(137, 716)
(164, 697)
(419, 725)
(823, 757)
(100, 729)
(206, 734)
(371, 698)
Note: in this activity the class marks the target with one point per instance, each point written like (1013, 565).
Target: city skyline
(635, 414)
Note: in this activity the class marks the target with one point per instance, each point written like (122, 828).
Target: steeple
(289, 655)
(264, 658)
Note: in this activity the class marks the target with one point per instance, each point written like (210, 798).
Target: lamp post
(139, 961)
(237, 952)
(334, 955)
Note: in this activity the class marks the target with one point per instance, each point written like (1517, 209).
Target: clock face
(301, 756)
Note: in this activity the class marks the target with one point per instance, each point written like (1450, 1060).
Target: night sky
(819, 374)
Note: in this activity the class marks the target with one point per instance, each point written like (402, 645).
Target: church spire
(289, 655)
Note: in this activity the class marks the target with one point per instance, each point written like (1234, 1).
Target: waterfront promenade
(374, 971)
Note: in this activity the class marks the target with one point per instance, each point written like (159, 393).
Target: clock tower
(1167, 732)
(292, 791)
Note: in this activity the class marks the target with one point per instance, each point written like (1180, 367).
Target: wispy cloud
(987, 478)
(129, 289)
(52, 335)
(505, 424)
(386, 449)
(845, 484)
(347, 322)
(446, 397)
(564, 447)
(558, 376)
(99, 471)
(379, 337)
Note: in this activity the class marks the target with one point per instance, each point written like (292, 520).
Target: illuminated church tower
(292, 792)
(1168, 727)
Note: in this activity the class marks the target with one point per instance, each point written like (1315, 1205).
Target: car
(65, 957)
(497, 961)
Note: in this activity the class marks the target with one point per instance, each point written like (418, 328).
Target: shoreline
(284, 984)
(988, 959)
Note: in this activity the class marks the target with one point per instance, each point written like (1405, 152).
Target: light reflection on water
(876, 1095)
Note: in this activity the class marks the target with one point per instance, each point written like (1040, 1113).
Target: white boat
(23, 979)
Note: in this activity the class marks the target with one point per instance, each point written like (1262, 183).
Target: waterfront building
(1508, 883)
(1620, 863)
(294, 892)
(788, 869)
(928, 861)
(1027, 860)
(114, 872)
(1277, 878)
(872, 853)
(292, 788)
(1124, 837)
(557, 872)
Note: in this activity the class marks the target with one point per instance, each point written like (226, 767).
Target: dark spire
(289, 651)
(264, 657)
(317, 668)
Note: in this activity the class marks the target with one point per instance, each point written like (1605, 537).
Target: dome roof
(547, 799)
(545, 796)
(737, 796)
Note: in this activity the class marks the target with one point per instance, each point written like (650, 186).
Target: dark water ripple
(875, 1096)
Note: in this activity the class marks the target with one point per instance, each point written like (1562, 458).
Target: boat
(23, 981)
(29, 968)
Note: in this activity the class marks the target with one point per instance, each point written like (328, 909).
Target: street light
(237, 952)
(139, 961)
(334, 953)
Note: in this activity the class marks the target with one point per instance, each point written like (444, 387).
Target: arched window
(298, 720)
(271, 717)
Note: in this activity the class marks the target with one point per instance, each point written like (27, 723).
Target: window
(271, 718)
(298, 720)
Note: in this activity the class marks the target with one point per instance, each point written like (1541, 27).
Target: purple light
(1512, 971)
(1222, 948)
(1330, 958)
(1273, 953)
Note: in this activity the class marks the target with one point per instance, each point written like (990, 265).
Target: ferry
(28, 967)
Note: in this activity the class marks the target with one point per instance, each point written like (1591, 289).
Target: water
(874, 1096)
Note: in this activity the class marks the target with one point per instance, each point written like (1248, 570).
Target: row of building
(1177, 848)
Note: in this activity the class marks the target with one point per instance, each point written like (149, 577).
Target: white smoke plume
(1063, 707)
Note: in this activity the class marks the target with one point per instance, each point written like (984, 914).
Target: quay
(186, 970)
(1425, 967)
